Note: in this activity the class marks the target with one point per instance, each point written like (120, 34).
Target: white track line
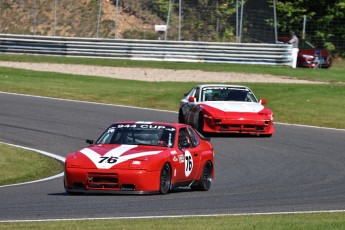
(179, 216)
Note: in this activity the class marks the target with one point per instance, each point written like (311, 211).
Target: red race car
(225, 109)
(142, 157)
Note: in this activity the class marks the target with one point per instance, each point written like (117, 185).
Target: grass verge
(19, 165)
(315, 221)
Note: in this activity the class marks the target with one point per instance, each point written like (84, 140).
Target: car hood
(233, 106)
(108, 156)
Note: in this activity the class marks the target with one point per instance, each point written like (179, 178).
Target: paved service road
(298, 169)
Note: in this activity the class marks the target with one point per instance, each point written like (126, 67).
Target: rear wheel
(165, 179)
(204, 183)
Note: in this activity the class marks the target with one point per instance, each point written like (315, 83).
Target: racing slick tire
(165, 179)
(180, 117)
(204, 184)
(201, 123)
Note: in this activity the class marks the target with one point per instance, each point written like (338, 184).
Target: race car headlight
(268, 115)
(72, 162)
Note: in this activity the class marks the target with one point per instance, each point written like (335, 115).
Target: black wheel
(201, 123)
(165, 179)
(204, 184)
(180, 117)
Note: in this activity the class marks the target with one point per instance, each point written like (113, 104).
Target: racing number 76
(189, 164)
(109, 160)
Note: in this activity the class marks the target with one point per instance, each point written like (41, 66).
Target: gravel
(153, 75)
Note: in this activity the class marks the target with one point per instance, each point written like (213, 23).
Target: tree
(322, 21)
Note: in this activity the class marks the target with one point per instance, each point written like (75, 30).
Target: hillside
(76, 18)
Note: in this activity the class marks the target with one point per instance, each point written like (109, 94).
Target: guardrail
(149, 50)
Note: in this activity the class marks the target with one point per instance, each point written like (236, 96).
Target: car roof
(221, 85)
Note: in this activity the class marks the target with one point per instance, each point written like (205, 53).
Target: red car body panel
(245, 117)
(136, 168)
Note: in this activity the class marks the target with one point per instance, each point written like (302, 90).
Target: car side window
(197, 94)
(183, 139)
(193, 136)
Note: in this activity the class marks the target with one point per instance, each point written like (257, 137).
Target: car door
(188, 157)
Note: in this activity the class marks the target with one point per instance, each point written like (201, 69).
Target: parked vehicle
(310, 56)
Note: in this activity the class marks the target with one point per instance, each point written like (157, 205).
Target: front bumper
(245, 126)
(119, 181)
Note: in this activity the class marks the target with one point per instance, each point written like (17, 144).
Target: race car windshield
(139, 134)
(227, 94)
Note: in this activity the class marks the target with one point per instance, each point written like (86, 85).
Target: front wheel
(180, 117)
(201, 123)
(204, 183)
(165, 179)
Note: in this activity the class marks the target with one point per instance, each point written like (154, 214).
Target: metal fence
(114, 19)
(149, 50)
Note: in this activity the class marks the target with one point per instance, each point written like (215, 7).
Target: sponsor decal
(136, 163)
(175, 159)
(181, 158)
(173, 152)
(143, 126)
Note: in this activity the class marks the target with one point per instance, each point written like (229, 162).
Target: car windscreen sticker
(113, 156)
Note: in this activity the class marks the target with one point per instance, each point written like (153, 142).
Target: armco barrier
(150, 50)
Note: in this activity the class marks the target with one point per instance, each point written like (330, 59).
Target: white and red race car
(226, 109)
(133, 157)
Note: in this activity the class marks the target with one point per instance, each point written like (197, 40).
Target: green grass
(19, 165)
(315, 221)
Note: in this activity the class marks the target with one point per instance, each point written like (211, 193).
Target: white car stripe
(115, 153)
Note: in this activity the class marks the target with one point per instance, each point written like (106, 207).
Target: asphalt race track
(297, 169)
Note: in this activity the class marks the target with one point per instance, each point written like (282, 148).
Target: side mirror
(191, 99)
(262, 101)
(90, 142)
